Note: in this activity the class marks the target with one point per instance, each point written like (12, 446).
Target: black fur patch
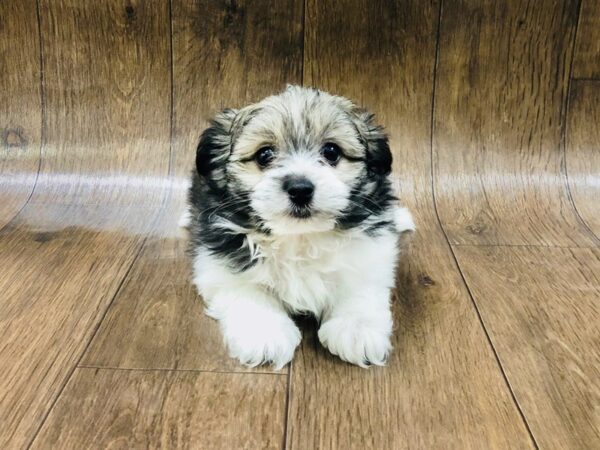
(379, 156)
(374, 229)
(366, 201)
(367, 204)
(214, 198)
(215, 146)
(211, 205)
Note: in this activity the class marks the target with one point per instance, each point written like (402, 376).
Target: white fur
(273, 204)
(343, 278)
(185, 220)
(403, 220)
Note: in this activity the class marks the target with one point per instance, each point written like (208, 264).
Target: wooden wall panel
(587, 50)
(107, 96)
(501, 92)
(583, 151)
(20, 105)
(226, 55)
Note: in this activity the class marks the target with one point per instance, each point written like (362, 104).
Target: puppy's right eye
(264, 156)
(332, 153)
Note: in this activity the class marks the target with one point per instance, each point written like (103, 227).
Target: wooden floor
(494, 112)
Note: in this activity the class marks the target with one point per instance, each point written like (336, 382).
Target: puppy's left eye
(331, 152)
(264, 156)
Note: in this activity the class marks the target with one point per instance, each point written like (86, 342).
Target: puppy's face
(303, 161)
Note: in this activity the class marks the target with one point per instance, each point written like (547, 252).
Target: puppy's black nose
(299, 189)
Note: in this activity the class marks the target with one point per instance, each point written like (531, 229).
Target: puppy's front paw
(273, 341)
(358, 340)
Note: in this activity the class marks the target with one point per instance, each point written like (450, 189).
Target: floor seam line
(585, 80)
(524, 246)
(163, 369)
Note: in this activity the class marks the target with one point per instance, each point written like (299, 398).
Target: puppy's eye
(331, 152)
(264, 156)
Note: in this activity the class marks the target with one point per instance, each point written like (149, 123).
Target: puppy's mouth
(301, 212)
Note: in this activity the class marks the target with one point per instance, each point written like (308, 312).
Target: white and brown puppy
(292, 211)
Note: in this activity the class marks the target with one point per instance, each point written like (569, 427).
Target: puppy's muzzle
(299, 189)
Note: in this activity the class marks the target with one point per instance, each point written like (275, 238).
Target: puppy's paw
(271, 341)
(358, 340)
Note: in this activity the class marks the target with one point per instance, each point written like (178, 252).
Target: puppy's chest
(304, 271)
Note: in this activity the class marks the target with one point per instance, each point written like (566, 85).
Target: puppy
(292, 212)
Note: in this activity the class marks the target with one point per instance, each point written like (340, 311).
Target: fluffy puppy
(292, 212)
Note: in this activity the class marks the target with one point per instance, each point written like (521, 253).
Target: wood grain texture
(500, 95)
(157, 321)
(226, 55)
(442, 387)
(109, 99)
(21, 108)
(587, 50)
(55, 287)
(583, 150)
(542, 310)
(65, 254)
(108, 90)
(160, 409)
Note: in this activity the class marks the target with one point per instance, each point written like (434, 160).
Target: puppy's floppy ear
(215, 144)
(378, 154)
(217, 141)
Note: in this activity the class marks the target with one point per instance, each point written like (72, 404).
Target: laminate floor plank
(541, 308)
(587, 49)
(501, 92)
(583, 150)
(56, 284)
(442, 387)
(21, 110)
(157, 320)
(125, 409)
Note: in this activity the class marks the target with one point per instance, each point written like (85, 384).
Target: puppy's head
(303, 161)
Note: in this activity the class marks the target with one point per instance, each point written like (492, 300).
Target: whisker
(237, 207)
(228, 202)
(232, 211)
(364, 197)
(233, 202)
(370, 211)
